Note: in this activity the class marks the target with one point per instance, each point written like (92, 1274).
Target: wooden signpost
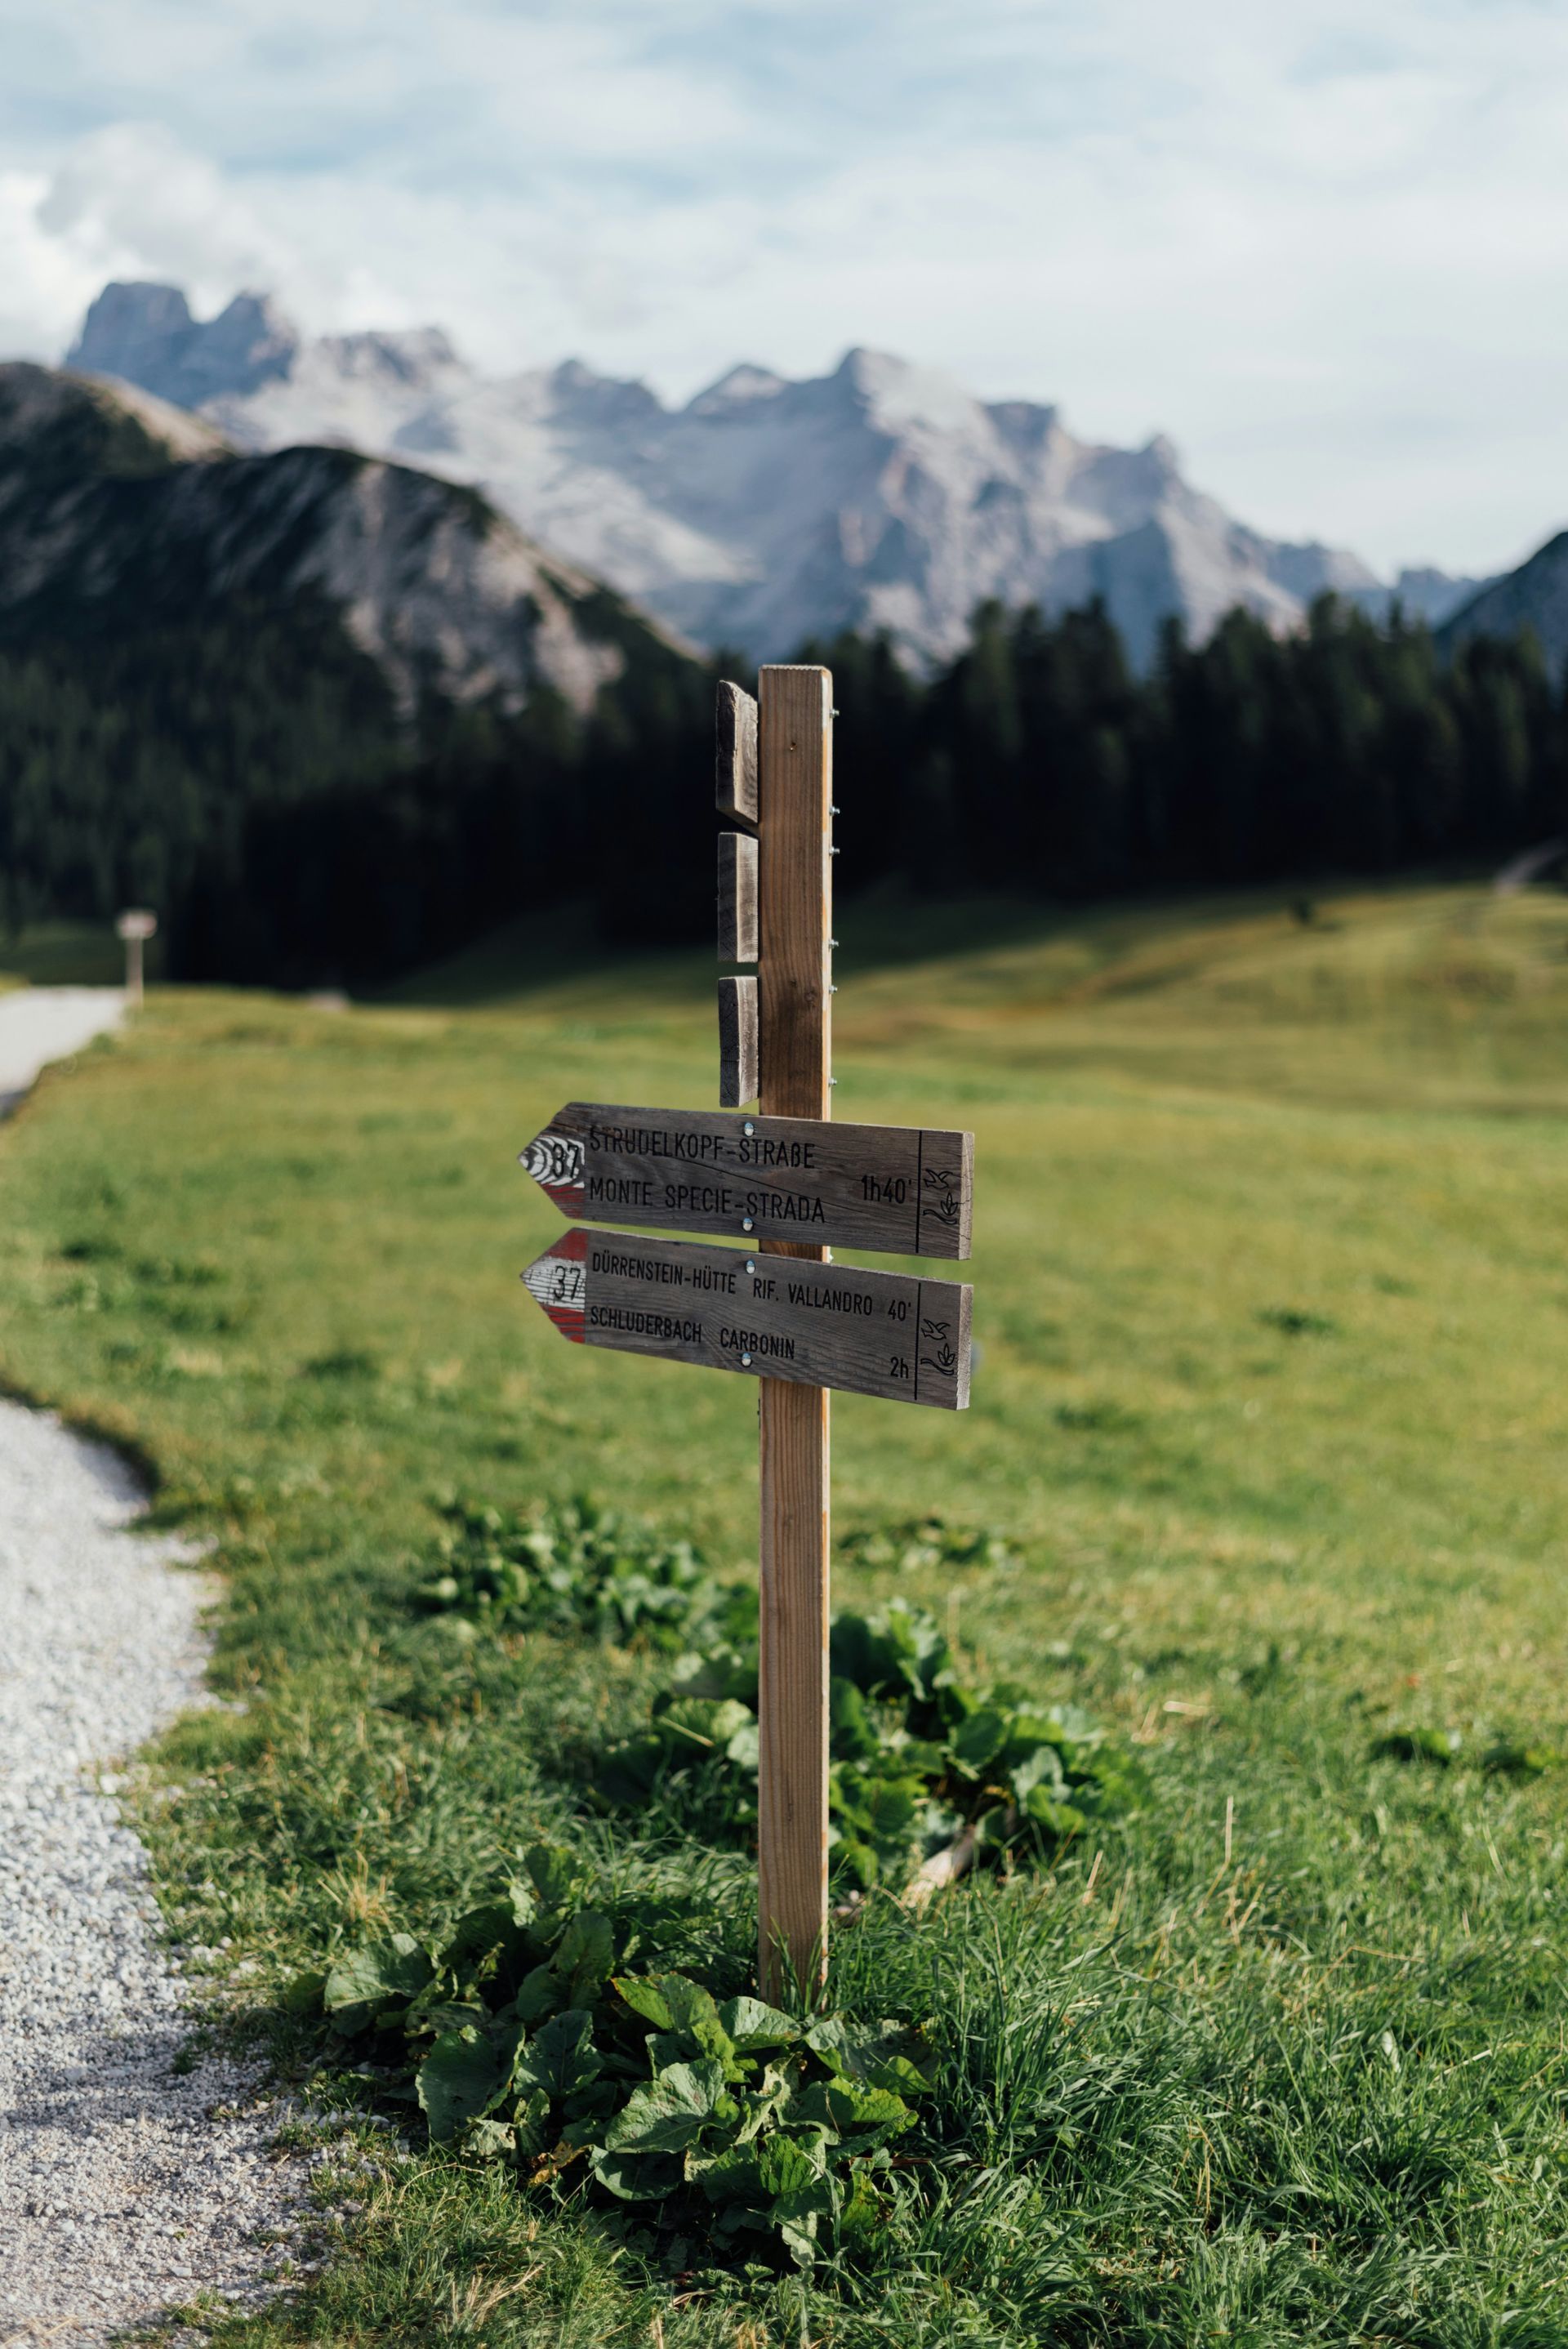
(789, 1187)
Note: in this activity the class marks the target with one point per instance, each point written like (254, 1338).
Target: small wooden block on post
(736, 764)
(736, 897)
(737, 1042)
(795, 790)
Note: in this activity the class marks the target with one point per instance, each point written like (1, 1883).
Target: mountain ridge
(113, 502)
(1534, 596)
(765, 510)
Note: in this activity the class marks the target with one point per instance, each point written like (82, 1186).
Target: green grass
(1271, 1284)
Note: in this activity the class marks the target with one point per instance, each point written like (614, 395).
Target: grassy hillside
(1269, 1282)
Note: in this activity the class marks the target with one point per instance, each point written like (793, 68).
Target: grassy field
(1272, 1290)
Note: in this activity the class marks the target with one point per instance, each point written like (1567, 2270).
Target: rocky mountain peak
(737, 390)
(1024, 423)
(138, 322)
(600, 399)
(146, 335)
(1534, 597)
(417, 357)
(896, 393)
(766, 510)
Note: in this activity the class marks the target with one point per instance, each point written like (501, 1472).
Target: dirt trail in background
(40, 1024)
(125, 2185)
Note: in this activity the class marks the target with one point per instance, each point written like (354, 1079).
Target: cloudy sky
(1323, 246)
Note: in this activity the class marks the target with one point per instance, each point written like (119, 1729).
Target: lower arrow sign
(822, 1325)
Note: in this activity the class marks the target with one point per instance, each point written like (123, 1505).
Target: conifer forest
(250, 776)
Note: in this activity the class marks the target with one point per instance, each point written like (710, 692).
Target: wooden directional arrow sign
(904, 1189)
(776, 1317)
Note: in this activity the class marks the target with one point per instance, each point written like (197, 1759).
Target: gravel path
(39, 1024)
(125, 2187)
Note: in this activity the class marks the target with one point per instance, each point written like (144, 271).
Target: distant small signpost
(790, 1186)
(135, 926)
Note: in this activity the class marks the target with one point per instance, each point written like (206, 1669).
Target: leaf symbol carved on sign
(943, 1207)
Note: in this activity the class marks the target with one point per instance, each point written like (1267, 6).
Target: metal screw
(832, 852)
(748, 1127)
(832, 1080)
(833, 990)
(833, 942)
(833, 713)
(832, 810)
(746, 1361)
(746, 1223)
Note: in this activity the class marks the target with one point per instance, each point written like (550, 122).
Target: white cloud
(44, 284)
(1318, 245)
(132, 191)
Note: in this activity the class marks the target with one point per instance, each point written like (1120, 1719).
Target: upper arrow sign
(904, 1189)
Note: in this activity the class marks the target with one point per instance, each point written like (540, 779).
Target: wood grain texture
(792, 1687)
(737, 1081)
(878, 1333)
(795, 766)
(905, 1189)
(735, 759)
(736, 897)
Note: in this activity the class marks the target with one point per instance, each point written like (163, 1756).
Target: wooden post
(795, 779)
(135, 926)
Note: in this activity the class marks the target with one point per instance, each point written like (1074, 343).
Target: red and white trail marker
(557, 1281)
